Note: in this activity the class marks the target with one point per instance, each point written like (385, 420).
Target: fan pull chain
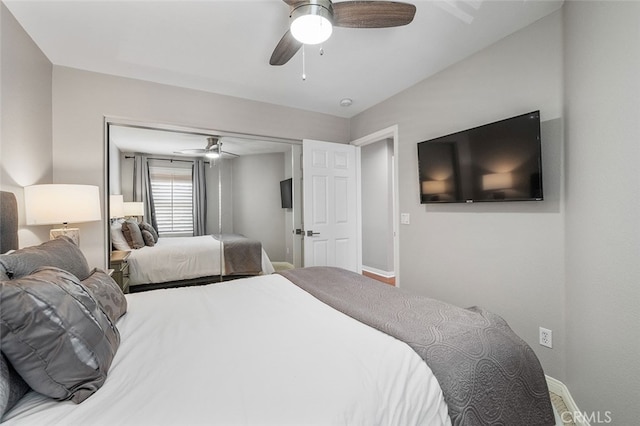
(304, 74)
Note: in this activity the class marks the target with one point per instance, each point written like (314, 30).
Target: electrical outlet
(546, 337)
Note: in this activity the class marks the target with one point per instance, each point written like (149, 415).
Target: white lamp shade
(116, 206)
(58, 203)
(134, 209)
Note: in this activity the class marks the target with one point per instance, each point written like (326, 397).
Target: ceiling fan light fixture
(311, 23)
(211, 154)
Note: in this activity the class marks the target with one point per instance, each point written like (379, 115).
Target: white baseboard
(559, 388)
(379, 272)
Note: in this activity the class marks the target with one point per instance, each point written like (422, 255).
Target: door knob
(311, 233)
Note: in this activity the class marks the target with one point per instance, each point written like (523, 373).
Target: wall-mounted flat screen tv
(286, 193)
(501, 161)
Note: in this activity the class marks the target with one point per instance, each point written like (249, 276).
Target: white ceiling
(224, 46)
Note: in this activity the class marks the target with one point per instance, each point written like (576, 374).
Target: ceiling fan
(212, 150)
(313, 21)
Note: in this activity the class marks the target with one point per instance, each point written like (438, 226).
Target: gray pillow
(3, 273)
(144, 226)
(12, 386)
(55, 335)
(132, 234)
(106, 292)
(60, 253)
(148, 238)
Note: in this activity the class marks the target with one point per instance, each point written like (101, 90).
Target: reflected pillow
(60, 253)
(148, 238)
(132, 234)
(117, 237)
(55, 334)
(144, 226)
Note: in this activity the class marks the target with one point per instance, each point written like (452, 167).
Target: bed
(184, 258)
(170, 261)
(310, 346)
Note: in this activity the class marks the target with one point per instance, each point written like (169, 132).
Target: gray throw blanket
(488, 375)
(242, 256)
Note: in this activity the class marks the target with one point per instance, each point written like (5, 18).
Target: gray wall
(571, 266)
(25, 119)
(221, 171)
(377, 207)
(602, 92)
(506, 257)
(257, 211)
(82, 99)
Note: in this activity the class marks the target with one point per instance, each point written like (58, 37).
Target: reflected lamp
(133, 209)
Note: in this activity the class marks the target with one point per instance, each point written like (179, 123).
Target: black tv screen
(286, 193)
(500, 161)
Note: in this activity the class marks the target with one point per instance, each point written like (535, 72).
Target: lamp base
(73, 233)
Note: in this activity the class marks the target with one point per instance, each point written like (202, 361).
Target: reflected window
(172, 189)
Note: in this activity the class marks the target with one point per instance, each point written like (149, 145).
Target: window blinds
(172, 189)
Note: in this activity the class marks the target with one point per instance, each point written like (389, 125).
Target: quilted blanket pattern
(488, 375)
(242, 256)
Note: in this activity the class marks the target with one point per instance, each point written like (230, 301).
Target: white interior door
(330, 215)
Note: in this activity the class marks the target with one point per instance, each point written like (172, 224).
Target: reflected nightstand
(120, 266)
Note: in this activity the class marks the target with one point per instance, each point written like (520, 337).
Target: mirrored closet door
(222, 206)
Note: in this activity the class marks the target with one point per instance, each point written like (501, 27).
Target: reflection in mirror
(215, 202)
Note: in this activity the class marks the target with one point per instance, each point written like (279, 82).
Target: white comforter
(180, 258)
(256, 351)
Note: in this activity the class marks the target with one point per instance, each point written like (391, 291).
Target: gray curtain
(199, 198)
(142, 188)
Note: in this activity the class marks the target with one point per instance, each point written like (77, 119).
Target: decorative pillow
(55, 335)
(144, 226)
(117, 237)
(106, 292)
(3, 273)
(12, 386)
(132, 234)
(148, 238)
(60, 253)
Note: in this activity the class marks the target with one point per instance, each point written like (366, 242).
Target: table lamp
(53, 204)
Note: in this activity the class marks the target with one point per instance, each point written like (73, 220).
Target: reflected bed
(184, 258)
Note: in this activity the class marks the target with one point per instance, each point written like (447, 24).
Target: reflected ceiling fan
(212, 150)
(312, 21)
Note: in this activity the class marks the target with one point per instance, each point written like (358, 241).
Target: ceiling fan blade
(372, 14)
(286, 48)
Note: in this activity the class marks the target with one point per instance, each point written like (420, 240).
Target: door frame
(390, 132)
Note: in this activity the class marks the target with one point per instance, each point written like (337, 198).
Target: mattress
(253, 351)
(181, 258)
